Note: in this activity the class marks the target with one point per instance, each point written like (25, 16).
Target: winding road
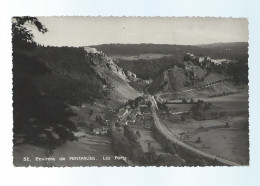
(199, 88)
(171, 136)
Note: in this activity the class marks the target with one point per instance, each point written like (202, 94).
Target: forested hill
(46, 80)
(223, 45)
(232, 51)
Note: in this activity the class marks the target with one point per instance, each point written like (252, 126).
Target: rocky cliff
(114, 75)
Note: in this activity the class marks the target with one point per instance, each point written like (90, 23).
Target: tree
(167, 110)
(117, 124)
(227, 125)
(21, 36)
(42, 118)
(149, 146)
(149, 103)
(151, 155)
(136, 102)
(131, 103)
(206, 106)
(91, 126)
(198, 140)
(90, 112)
(101, 120)
(184, 101)
(97, 118)
(138, 134)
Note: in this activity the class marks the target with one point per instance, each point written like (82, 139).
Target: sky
(85, 31)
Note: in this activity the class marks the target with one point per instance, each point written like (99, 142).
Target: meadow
(216, 138)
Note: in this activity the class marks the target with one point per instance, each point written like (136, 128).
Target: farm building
(101, 130)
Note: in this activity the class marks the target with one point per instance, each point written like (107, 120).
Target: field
(146, 138)
(236, 104)
(141, 56)
(179, 107)
(87, 145)
(230, 142)
(93, 145)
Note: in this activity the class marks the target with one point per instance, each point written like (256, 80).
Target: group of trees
(239, 71)
(199, 109)
(134, 103)
(138, 134)
(127, 143)
(163, 107)
(184, 101)
(204, 110)
(149, 103)
(21, 36)
(149, 68)
(42, 118)
(222, 94)
(100, 120)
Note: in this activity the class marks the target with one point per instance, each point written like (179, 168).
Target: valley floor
(231, 143)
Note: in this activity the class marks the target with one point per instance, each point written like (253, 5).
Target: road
(123, 119)
(205, 86)
(177, 113)
(171, 136)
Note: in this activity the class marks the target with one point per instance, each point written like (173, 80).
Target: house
(143, 106)
(139, 116)
(101, 130)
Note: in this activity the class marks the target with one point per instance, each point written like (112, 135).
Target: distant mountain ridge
(231, 51)
(232, 44)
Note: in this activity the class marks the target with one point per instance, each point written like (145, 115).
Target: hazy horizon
(163, 43)
(88, 31)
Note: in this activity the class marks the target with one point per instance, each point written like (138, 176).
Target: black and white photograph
(130, 91)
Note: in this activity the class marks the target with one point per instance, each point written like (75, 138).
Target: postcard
(130, 91)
